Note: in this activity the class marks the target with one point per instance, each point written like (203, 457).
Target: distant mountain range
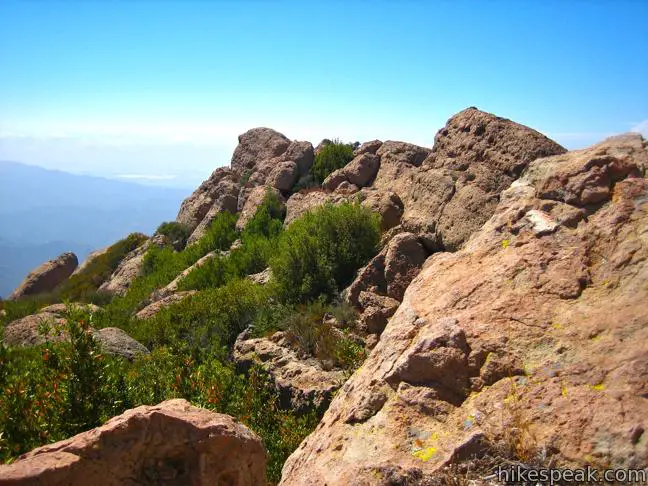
(46, 212)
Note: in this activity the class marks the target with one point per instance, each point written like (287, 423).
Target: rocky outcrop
(153, 308)
(370, 147)
(258, 144)
(171, 443)
(302, 383)
(216, 190)
(130, 267)
(387, 204)
(261, 278)
(47, 276)
(63, 309)
(379, 286)
(253, 200)
(49, 326)
(528, 341)
(220, 195)
(301, 203)
(360, 172)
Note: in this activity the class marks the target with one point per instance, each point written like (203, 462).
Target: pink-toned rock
(530, 339)
(370, 147)
(255, 145)
(47, 276)
(387, 204)
(171, 443)
(359, 172)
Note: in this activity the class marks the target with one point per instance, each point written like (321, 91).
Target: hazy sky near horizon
(160, 90)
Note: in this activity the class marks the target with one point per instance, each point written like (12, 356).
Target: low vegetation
(50, 392)
(333, 156)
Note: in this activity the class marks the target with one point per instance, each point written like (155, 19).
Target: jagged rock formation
(530, 338)
(28, 331)
(301, 383)
(169, 443)
(130, 267)
(47, 276)
(379, 287)
(253, 200)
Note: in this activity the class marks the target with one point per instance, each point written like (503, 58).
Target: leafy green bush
(333, 156)
(319, 253)
(177, 233)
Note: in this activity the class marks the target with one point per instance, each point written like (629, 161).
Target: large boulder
(302, 383)
(117, 342)
(527, 343)
(253, 200)
(130, 267)
(257, 144)
(380, 285)
(47, 276)
(171, 443)
(360, 172)
(474, 158)
(387, 204)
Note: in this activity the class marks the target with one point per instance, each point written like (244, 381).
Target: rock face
(130, 267)
(301, 203)
(171, 443)
(255, 145)
(155, 307)
(89, 259)
(301, 382)
(379, 286)
(47, 276)
(360, 172)
(530, 338)
(253, 200)
(115, 341)
(172, 287)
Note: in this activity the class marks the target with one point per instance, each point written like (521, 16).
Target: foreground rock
(301, 383)
(130, 267)
(47, 276)
(528, 341)
(170, 443)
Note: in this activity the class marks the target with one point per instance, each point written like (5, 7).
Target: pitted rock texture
(531, 337)
(216, 190)
(130, 267)
(379, 286)
(47, 276)
(360, 172)
(301, 383)
(168, 444)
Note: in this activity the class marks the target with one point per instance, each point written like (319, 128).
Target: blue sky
(161, 90)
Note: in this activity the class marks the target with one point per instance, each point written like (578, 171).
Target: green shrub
(333, 156)
(177, 233)
(320, 252)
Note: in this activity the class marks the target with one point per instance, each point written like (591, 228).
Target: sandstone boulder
(155, 307)
(261, 278)
(359, 172)
(117, 342)
(62, 309)
(370, 147)
(380, 285)
(216, 190)
(47, 276)
(301, 383)
(387, 204)
(173, 286)
(171, 443)
(130, 267)
(256, 145)
(528, 342)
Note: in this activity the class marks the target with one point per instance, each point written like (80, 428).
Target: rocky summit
(496, 316)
